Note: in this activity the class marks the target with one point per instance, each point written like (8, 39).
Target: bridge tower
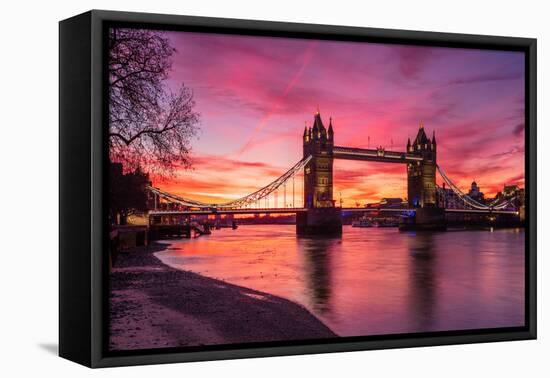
(318, 142)
(421, 188)
(322, 216)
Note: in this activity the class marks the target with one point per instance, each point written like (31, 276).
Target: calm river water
(372, 280)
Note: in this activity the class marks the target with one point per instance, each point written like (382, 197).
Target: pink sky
(254, 95)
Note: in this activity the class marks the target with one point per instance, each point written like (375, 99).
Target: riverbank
(155, 306)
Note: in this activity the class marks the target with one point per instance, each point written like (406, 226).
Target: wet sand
(155, 306)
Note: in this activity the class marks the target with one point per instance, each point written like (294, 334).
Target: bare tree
(149, 125)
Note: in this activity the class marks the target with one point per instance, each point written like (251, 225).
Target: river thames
(372, 280)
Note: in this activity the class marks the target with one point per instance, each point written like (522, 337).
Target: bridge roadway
(292, 210)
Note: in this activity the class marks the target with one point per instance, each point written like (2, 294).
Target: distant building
(475, 193)
(514, 193)
(510, 191)
(392, 203)
(448, 199)
(127, 192)
(514, 196)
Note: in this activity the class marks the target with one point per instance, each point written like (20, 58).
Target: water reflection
(422, 280)
(373, 280)
(318, 270)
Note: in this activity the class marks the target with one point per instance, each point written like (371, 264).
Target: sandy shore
(156, 306)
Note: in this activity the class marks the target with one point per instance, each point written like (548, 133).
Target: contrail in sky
(307, 58)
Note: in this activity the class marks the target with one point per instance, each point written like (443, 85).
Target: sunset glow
(267, 189)
(255, 94)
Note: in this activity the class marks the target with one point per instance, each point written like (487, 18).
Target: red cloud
(255, 93)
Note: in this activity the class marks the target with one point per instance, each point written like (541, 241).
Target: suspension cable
(243, 201)
(469, 200)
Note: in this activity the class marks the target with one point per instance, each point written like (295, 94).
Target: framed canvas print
(233, 188)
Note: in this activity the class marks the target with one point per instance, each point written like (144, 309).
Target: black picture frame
(83, 265)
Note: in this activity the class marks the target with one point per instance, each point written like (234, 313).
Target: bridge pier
(325, 221)
(425, 219)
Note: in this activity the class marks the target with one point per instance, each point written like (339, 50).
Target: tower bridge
(319, 213)
(324, 217)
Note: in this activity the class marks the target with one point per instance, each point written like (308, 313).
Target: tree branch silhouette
(149, 125)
